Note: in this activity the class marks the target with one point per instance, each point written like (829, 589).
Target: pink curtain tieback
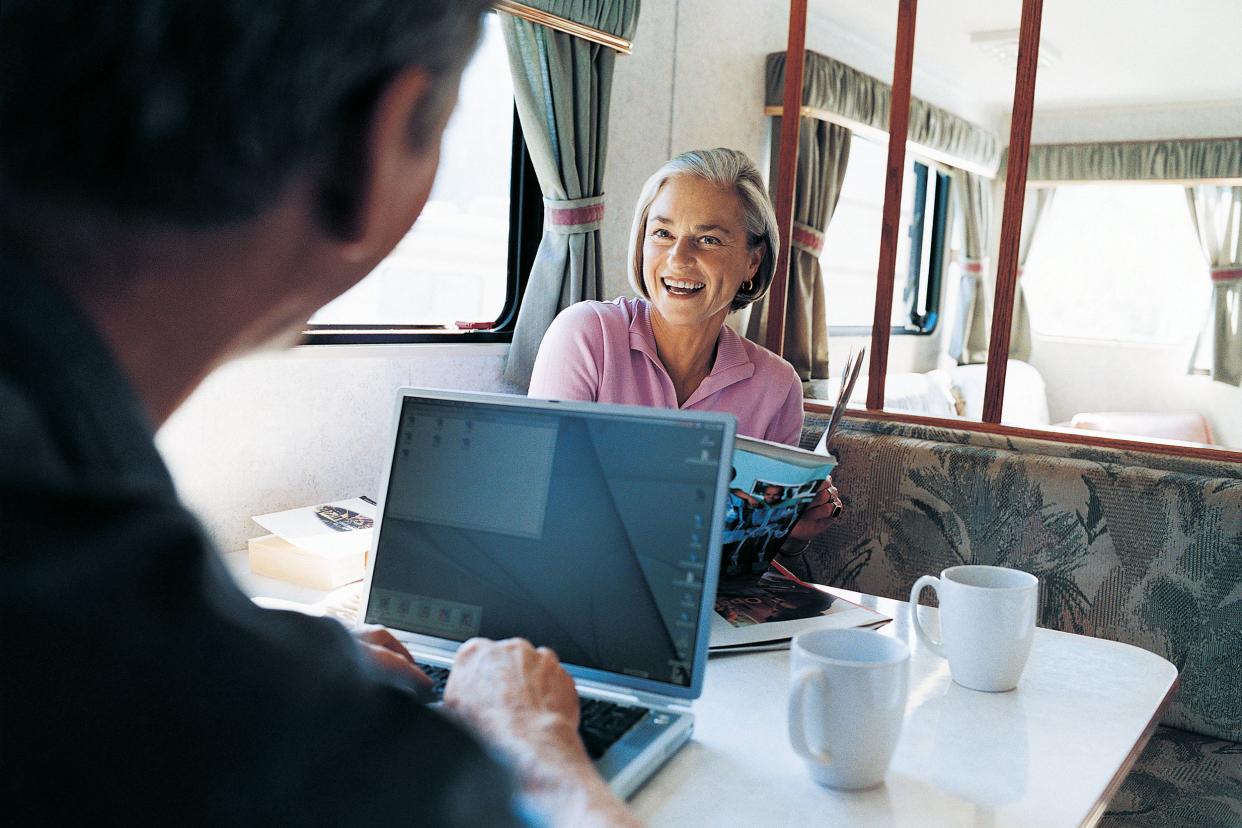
(972, 265)
(806, 237)
(1226, 274)
(573, 215)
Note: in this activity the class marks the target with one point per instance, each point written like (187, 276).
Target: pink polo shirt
(606, 352)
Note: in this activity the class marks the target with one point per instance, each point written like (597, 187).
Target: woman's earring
(748, 285)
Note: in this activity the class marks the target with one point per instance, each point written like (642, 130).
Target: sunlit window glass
(452, 265)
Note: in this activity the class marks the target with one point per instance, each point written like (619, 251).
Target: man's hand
(819, 516)
(521, 700)
(386, 651)
(517, 697)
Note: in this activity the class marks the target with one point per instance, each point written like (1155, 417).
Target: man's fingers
(390, 660)
(383, 637)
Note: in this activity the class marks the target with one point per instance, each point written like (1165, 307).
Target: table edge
(1101, 804)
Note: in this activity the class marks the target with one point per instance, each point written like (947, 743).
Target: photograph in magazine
(778, 606)
(772, 599)
(766, 497)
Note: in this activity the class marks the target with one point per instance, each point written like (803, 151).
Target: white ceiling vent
(1002, 45)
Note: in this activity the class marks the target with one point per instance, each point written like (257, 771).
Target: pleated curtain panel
(823, 152)
(562, 86)
(1217, 215)
(968, 339)
(1034, 209)
(837, 102)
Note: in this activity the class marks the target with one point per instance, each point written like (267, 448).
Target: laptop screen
(587, 531)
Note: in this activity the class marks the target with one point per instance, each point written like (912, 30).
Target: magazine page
(766, 496)
(775, 608)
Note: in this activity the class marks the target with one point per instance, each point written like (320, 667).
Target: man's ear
(376, 182)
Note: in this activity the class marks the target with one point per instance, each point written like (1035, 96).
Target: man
(773, 494)
(180, 182)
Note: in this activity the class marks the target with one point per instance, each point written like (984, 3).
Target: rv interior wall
(275, 431)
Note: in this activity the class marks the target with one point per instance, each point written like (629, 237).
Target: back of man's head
(196, 112)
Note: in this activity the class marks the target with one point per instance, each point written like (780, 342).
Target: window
(461, 266)
(852, 244)
(1117, 262)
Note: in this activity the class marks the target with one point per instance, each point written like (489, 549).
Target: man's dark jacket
(137, 684)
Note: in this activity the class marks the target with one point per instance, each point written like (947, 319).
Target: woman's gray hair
(726, 168)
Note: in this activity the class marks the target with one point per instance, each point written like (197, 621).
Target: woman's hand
(819, 516)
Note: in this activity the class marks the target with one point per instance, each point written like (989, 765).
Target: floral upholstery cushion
(1134, 547)
(1181, 779)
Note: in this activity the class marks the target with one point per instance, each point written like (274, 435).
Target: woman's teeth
(681, 287)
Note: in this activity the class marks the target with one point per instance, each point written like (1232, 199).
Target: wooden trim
(898, 128)
(880, 135)
(1101, 804)
(561, 24)
(787, 174)
(1011, 220)
(1055, 434)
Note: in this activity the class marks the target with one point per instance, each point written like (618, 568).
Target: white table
(1050, 753)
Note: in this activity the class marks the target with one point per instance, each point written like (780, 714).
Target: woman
(703, 243)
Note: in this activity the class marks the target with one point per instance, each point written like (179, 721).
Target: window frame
(941, 212)
(525, 234)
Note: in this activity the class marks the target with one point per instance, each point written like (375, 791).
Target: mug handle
(797, 724)
(925, 581)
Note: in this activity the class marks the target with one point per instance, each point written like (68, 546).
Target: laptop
(592, 529)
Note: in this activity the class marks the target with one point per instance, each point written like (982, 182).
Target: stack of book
(321, 547)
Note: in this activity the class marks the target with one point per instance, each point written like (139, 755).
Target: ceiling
(1132, 54)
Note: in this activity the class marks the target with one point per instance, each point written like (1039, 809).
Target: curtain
(1217, 216)
(968, 341)
(562, 86)
(862, 101)
(823, 152)
(1033, 212)
(1179, 160)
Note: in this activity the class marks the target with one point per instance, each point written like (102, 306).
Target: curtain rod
(881, 135)
(561, 24)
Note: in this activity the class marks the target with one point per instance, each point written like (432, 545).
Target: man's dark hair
(198, 111)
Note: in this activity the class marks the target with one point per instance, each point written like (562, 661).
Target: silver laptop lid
(592, 529)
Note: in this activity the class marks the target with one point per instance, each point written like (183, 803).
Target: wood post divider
(1011, 218)
(898, 129)
(786, 179)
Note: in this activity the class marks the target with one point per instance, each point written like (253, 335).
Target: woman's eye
(661, 233)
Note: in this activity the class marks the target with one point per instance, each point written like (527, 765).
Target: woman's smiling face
(696, 252)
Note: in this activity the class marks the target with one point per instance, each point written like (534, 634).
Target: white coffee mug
(846, 704)
(987, 622)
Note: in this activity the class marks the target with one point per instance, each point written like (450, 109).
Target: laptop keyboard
(600, 723)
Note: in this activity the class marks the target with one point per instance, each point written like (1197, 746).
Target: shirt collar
(732, 363)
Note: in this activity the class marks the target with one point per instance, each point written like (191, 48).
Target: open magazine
(759, 602)
(772, 610)
(772, 485)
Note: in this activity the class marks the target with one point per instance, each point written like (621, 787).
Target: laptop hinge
(626, 695)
